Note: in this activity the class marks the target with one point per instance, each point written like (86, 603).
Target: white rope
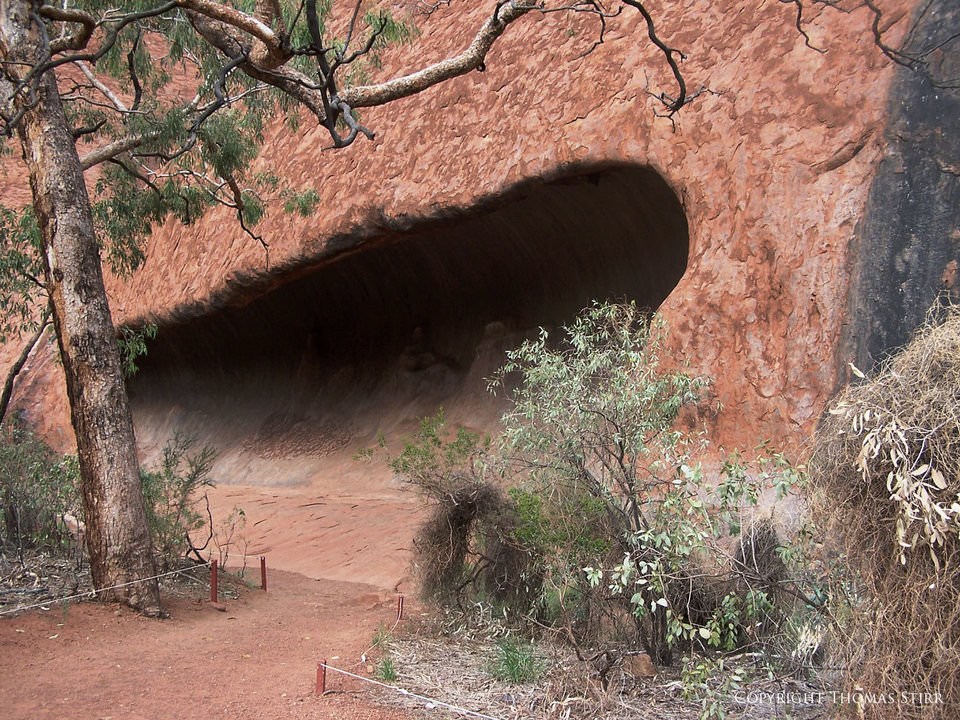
(431, 702)
(363, 655)
(88, 593)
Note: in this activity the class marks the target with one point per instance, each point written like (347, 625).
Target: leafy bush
(169, 494)
(607, 480)
(38, 488)
(610, 529)
(885, 466)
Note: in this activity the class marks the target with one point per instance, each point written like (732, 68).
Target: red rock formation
(771, 166)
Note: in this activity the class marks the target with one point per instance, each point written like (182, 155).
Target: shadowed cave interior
(371, 340)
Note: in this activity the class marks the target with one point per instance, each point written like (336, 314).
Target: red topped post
(213, 581)
(322, 677)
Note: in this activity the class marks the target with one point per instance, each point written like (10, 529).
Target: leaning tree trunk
(118, 539)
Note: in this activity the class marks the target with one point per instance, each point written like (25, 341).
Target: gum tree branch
(112, 150)
(673, 104)
(117, 103)
(18, 364)
(77, 41)
(470, 59)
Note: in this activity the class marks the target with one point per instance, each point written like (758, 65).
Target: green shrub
(516, 661)
(169, 494)
(610, 529)
(610, 499)
(37, 488)
(40, 489)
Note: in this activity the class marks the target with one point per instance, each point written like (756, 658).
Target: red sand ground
(256, 660)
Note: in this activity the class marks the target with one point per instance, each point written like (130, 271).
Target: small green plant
(170, 496)
(363, 454)
(228, 533)
(381, 637)
(385, 670)
(516, 661)
(712, 682)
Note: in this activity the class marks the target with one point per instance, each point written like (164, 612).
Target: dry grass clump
(443, 541)
(886, 463)
(458, 671)
(464, 544)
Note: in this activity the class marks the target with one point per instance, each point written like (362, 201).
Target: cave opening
(411, 320)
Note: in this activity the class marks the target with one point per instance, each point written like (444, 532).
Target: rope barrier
(88, 593)
(229, 555)
(431, 702)
(363, 655)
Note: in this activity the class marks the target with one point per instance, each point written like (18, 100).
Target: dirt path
(256, 660)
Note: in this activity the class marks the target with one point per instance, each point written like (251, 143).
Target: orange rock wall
(772, 162)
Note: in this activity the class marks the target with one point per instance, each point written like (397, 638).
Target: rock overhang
(416, 314)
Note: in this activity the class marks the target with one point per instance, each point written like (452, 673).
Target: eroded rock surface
(771, 167)
(507, 200)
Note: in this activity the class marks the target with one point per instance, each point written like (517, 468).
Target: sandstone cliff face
(509, 198)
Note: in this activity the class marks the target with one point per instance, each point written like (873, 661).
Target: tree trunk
(118, 540)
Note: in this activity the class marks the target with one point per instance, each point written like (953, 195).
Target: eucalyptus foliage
(37, 488)
(20, 271)
(610, 496)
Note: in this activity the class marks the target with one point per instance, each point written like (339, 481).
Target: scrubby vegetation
(597, 448)
(39, 490)
(590, 519)
(617, 537)
(466, 542)
(886, 468)
(170, 493)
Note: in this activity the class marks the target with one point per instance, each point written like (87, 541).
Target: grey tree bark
(118, 538)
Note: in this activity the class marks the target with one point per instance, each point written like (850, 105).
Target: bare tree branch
(294, 83)
(104, 90)
(240, 207)
(673, 104)
(268, 53)
(77, 41)
(799, 24)
(132, 69)
(19, 363)
(470, 59)
(112, 150)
